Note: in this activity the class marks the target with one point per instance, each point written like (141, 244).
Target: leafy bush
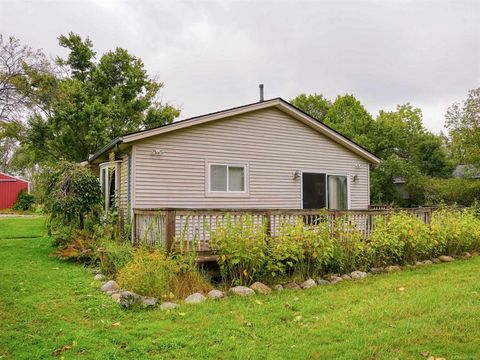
(115, 255)
(69, 192)
(153, 273)
(300, 249)
(351, 249)
(78, 246)
(24, 201)
(241, 245)
(453, 191)
(400, 238)
(455, 231)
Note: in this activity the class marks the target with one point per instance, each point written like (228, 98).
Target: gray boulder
(128, 299)
(445, 258)
(358, 275)
(278, 287)
(466, 255)
(346, 277)
(436, 261)
(260, 288)
(427, 262)
(392, 268)
(335, 279)
(292, 286)
(376, 270)
(168, 305)
(149, 301)
(116, 297)
(110, 286)
(323, 282)
(216, 294)
(241, 291)
(307, 284)
(195, 298)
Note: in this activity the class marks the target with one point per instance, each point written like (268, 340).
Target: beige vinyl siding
(273, 144)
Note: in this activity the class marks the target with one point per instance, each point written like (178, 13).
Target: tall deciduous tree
(315, 105)
(463, 123)
(92, 103)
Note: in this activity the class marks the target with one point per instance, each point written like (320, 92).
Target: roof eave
(109, 146)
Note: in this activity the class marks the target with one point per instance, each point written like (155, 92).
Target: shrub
(351, 251)
(455, 231)
(116, 254)
(24, 201)
(300, 249)
(241, 246)
(78, 246)
(69, 192)
(453, 191)
(153, 273)
(398, 239)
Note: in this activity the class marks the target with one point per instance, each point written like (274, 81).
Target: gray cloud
(212, 55)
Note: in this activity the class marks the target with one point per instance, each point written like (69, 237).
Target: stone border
(129, 299)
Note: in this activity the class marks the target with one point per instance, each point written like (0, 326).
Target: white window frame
(227, 193)
(106, 182)
(326, 173)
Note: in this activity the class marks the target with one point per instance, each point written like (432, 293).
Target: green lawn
(22, 227)
(46, 304)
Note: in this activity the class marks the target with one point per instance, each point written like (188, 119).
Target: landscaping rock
(99, 277)
(113, 292)
(467, 255)
(335, 279)
(358, 275)
(116, 297)
(260, 288)
(436, 261)
(392, 268)
(168, 305)
(149, 301)
(127, 299)
(292, 286)
(241, 291)
(216, 294)
(376, 270)
(307, 284)
(109, 286)
(427, 262)
(323, 282)
(278, 287)
(445, 258)
(346, 277)
(195, 298)
(418, 263)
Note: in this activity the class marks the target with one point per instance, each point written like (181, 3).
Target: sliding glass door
(320, 190)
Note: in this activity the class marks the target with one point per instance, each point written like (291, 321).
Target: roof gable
(277, 103)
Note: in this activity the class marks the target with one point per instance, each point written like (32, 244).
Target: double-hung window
(227, 179)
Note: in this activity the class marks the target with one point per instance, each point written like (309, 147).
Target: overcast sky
(213, 54)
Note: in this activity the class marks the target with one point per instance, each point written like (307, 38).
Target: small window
(337, 192)
(227, 178)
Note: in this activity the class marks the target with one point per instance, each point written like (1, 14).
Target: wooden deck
(190, 228)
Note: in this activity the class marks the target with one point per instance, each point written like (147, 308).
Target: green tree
(463, 123)
(349, 117)
(93, 103)
(315, 105)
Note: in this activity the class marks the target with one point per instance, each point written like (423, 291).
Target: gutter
(109, 146)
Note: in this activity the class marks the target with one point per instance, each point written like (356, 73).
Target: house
(10, 186)
(468, 171)
(267, 154)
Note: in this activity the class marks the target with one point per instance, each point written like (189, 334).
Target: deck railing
(167, 227)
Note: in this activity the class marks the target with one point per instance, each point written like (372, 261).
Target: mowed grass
(22, 227)
(46, 304)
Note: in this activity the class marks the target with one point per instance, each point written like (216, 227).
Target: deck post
(268, 223)
(170, 238)
(134, 227)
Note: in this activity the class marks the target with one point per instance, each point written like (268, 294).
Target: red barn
(10, 186)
